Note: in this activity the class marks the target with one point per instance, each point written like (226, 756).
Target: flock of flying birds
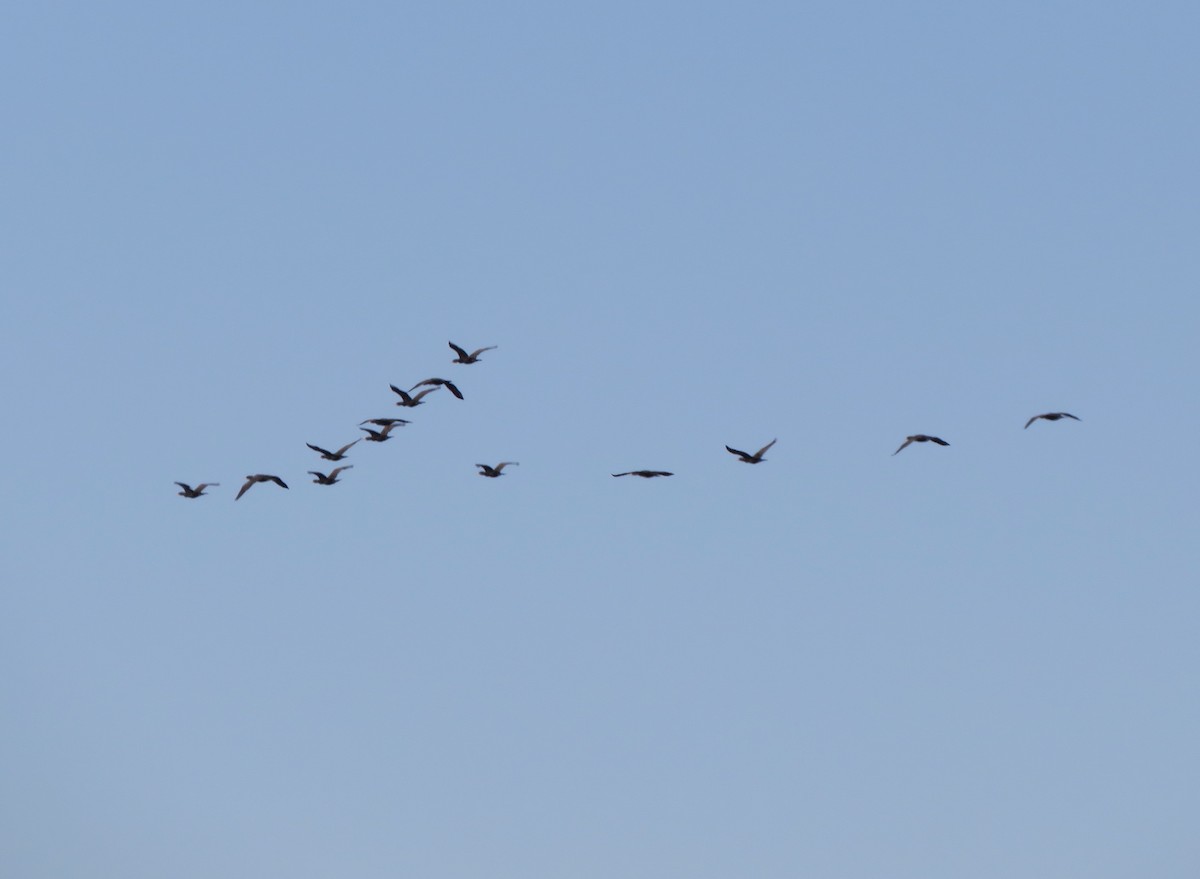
(409, 400)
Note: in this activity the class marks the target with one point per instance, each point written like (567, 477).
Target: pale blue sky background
(227, 227)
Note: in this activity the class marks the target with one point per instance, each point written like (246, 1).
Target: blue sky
(227, 229)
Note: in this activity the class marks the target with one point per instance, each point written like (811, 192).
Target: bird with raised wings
(259, 477)
(379, 436)
(1050, 416)
(333, 456)
(473, 357)
(919, 438)
(493, 472)
(411, 400)
(756, 458)
(198, 491)
(645, 474)
(450, 386)
(322, 479)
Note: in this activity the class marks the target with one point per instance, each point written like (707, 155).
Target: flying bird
(485, 470)
(439, 381)
(645, 474)
(1050, 416)
(414, 400)
(260, 477)
(756, 458)
(385, 422)
(920, 438)
(473, 357)
(332, 456)
(198, 491)
(378, 436)
(322, 479)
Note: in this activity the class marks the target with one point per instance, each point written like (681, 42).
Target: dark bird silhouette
(439, 381)
(378, 436)
(414, 400)
(332, 456)
(198, 491)
(473, 357)
(645, 474)
(259, 477)
(756, 458)
(920, 438)
(485, 470)
(322, 479)
(1050, 416)
(386, 422)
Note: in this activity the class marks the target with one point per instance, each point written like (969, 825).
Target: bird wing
(325, 453)
(278, 481)
(504, 464)
(737, 452)
(342, 450)
(761, 451)
(479, 351)
(204, 485)
(250, 480)
(336, 470)
(626, 473)
(1031, 420)
(186, 487)
(938, 440)
(423, 393)
(454, 390)
(403, 394)
(902, 446)
(428, 381)
(462, 355)
(1069, 415)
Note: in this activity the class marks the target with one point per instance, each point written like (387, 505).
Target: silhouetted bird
(332, 456)
(1050, 416)
(414, 400)
(756, 458)
(439, 381)
(322, 479)
(378, 436)
(260, 477)
(645, 474)
(386, 422)
(464, 357)
(485, 470)
(920, 438)
(198, 491)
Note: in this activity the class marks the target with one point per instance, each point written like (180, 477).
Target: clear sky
(226, 228)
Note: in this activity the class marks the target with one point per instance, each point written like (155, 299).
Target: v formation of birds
(408, 399)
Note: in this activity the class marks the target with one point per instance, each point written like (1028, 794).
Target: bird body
(332, 456)
(645, 474)
(198, 491)
(919, 438)
(464, 357)
(259, 477)
(493, 472)
(322, 479)
(756, 458)
(1050, 416)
